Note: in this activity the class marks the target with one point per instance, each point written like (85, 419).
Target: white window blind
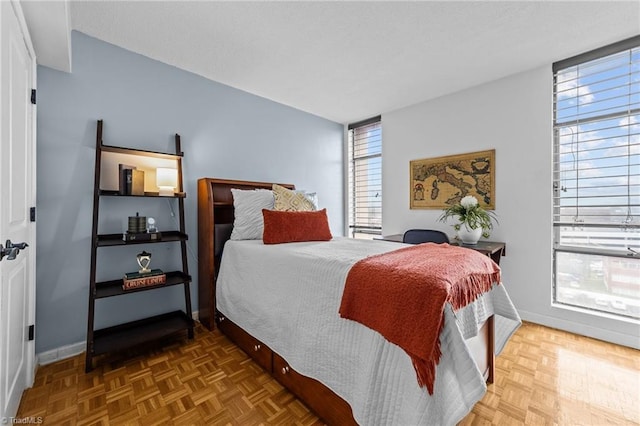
(597, 179)
(365, 178)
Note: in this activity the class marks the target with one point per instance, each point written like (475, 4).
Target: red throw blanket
(402, 295)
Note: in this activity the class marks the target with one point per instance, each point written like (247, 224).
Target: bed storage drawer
(482, 349)
(257, 350)
(329, 406)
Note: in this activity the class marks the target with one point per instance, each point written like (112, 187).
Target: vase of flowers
(474, 221)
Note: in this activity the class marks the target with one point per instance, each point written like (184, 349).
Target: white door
(17, 195)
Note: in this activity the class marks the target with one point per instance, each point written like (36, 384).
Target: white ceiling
(347, 61)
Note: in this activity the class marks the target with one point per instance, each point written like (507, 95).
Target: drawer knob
(285, 369)
(256, 348)
(222, 318)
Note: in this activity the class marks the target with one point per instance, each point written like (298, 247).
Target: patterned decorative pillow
(248, 223)
(311, 196)
(291, 201)
(290, 227)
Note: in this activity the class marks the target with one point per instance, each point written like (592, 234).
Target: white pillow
(249, 223)
(311, 196)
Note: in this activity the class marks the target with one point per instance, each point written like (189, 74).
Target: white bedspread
(288, 295)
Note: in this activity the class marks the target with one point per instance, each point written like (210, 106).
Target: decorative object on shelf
(474, 221)
(440, 182)
(137, 224)
(166, 180)
(151, 225)
(144, 259)
(141, 229)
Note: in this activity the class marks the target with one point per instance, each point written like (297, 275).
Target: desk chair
(417, 236)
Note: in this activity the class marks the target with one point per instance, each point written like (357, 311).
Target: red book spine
(128, 284)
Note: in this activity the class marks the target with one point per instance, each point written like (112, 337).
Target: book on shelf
(142, 236)
(133, 280)
(125, 179)
(137, 182)
(151, 273)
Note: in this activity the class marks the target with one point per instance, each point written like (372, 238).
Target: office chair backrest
(418, 236)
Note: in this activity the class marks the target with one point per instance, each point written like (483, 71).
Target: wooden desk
(493, 249)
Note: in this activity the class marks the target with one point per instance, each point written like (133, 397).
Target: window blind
(365, 177)
(597, 152)
(596, 178)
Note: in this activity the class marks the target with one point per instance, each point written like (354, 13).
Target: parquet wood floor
(543, 377)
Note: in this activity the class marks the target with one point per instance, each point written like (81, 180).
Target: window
(596, 208)
(365, 178)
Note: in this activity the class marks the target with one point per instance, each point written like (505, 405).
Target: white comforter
(288, 295)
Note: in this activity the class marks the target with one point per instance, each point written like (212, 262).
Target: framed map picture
(438, 183)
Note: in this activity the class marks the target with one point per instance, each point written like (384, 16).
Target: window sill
(595, 313)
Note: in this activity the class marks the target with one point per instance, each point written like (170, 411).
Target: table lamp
(166, 180)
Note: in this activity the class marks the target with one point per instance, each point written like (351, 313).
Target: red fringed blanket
(402, 295)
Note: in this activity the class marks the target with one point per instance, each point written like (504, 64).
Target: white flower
(469, 201)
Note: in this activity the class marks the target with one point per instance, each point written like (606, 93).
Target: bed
(279, 303)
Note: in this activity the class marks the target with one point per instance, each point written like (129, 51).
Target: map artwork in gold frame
(438, 183)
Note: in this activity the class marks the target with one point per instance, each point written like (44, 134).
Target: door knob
(11, 250)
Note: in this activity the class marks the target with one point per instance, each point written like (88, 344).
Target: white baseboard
(67, 351)
(582, 329)
(64, 352)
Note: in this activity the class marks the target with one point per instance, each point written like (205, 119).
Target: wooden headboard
(215, 221)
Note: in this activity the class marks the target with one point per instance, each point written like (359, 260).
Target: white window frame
(597, 233)
(364, 204)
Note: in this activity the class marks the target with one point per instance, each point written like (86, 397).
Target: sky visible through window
(365, 174)
(597, 184)
(600, 157)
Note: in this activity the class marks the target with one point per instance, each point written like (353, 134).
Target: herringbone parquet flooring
(543, 377)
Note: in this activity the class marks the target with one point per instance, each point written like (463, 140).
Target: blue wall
(226, 133)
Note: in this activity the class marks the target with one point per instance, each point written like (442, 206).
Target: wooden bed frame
(216, 214)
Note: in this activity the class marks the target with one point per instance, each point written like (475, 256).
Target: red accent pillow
(290, 227)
